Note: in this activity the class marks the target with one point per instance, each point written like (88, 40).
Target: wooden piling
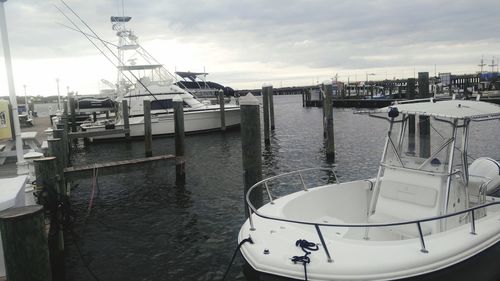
(410, 94)
(222, 111)
(148, 134)
(126, 123)
(59, 134)
(271, 107)
(251, 148)
(424, 128)
(328, 121)
(46, 180)
(72, 105)
(266, 89)
(25, 244)
(56, 150)
(180, 162)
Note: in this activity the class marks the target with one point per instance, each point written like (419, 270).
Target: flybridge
(120, 19)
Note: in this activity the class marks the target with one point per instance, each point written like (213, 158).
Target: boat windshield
(422, 143)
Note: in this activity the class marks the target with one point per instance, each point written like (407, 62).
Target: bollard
(328, 121)
(424, 128)
(266, 89)
(222, 111)
(46, 181)
(180, 162)
(251, 148)
(126, 123)
(25, 244)
(148, 136)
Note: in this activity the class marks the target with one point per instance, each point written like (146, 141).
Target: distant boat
(142, 78)
(428, 215)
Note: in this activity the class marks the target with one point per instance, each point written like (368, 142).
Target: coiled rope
(306, 246)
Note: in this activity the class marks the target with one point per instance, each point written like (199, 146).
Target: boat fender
(393, 112)
(305, 246)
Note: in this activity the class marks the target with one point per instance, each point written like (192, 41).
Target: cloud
(271, 37)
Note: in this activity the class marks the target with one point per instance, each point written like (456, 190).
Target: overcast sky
(246, 43)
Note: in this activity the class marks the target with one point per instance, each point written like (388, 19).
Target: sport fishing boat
(141, 77)
(428, 215)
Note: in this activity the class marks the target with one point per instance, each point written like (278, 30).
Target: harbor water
(142, 226)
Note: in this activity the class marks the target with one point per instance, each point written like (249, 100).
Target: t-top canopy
(453, 109)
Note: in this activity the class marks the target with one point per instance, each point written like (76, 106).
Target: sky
(247, 43)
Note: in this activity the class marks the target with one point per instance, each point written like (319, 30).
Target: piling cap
(249, 99)
(267, 85)
(177, 98)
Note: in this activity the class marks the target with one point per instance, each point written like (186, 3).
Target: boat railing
(471, 211)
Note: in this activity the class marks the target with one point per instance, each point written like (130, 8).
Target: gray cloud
(338, 34)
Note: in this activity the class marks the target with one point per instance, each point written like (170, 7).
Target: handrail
(418, 222)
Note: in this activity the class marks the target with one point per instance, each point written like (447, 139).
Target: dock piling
(46, 180)
(266, 89)
(410, 94)
(25, 244)
(180, 162)
(271, 107)
(424, 128)
(222, 111)
(148, 136)
(126, 123)
(328, 121)
(251, 148)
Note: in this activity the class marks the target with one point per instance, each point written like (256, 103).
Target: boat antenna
(86, 34)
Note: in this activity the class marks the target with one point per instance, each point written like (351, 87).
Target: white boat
(141, 78)
(428, 215)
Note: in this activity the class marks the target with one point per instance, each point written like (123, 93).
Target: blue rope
(306, 246)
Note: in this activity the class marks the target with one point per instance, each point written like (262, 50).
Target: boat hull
(480, 267)
(194, 122)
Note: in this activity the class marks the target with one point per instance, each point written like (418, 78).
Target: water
(144, 227)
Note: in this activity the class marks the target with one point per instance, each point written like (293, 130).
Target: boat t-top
(429, 214)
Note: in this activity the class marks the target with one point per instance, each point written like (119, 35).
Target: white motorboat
(428, 215)
(141, 78)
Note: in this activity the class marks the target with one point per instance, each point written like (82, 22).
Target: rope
(95, 172)
(249, 239)
(306, 246)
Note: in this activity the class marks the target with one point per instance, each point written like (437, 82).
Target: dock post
(180, 162)
(148, 136)
(59, 134)
(410, 94)
(424, 128)
(266, 89)
(328, 121)
(271, 107)
(303, 98)
(25, 244)
(72, 103)
(251, 148)
(45, 169)
(56, 150)
(126, 124)
(222, 111)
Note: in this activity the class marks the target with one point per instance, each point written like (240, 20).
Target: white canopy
(453, 109)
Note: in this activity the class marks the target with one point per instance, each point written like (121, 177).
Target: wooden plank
(76, 135)
(110, 168)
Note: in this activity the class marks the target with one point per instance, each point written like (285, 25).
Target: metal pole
(21, 164)
(25, 99)
(58, 95)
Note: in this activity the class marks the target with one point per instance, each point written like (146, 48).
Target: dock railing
(417, 222)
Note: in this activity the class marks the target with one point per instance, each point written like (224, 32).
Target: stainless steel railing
(252, 210)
